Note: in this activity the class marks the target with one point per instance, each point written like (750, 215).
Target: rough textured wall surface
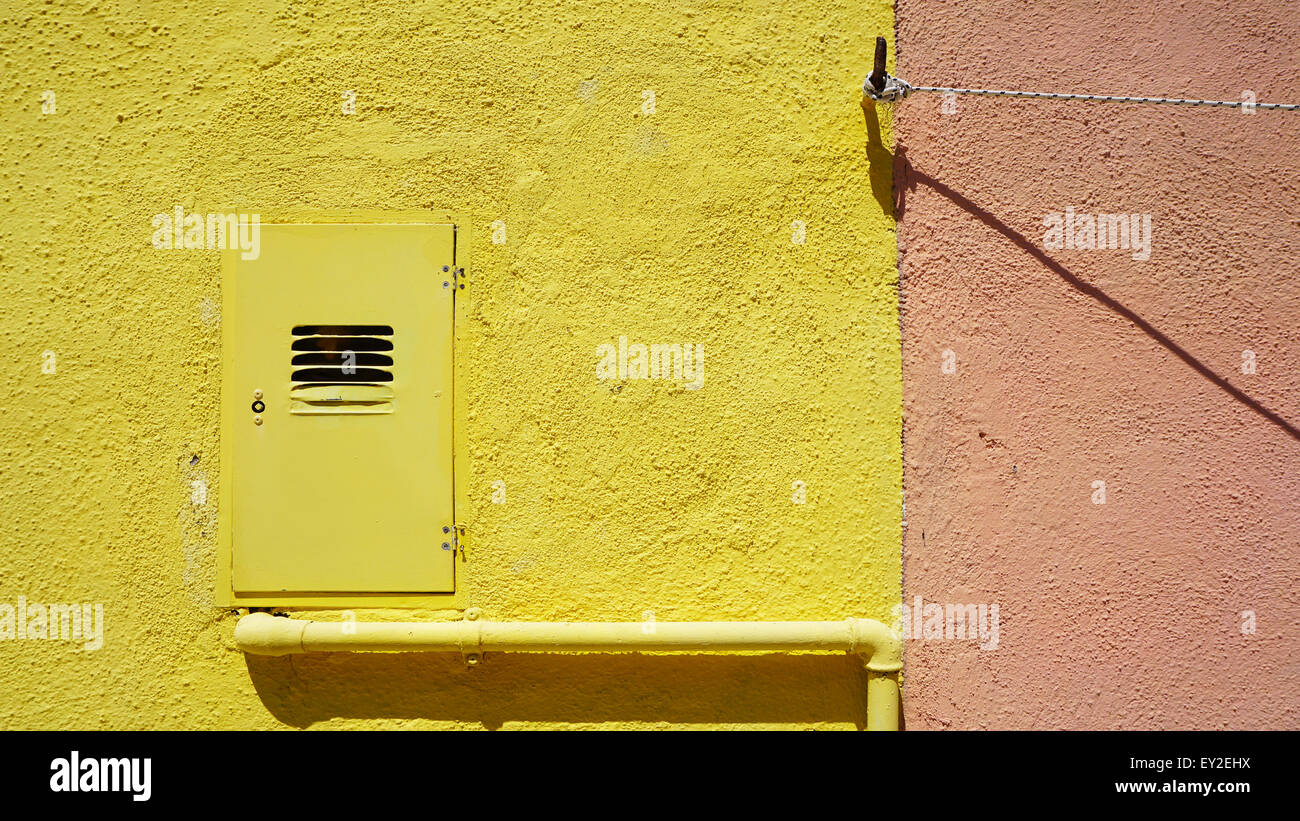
(1077, 366)
(671, 225)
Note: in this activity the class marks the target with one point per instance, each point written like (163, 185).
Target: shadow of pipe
(592, 688)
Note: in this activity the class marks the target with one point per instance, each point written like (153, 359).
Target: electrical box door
(337, 400)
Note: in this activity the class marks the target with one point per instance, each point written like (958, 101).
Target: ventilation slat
(342, 343)
(342, 330)
(338, 376)
(336, 358)
(337, 369)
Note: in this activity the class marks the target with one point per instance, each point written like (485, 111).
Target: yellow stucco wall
(674, 226)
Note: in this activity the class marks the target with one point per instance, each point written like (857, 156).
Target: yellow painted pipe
(267, 635)
(882, 700)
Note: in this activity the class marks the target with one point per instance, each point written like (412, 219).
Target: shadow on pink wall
(892, 176)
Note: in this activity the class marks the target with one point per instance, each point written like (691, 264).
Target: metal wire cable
(881, 85)
(991, 92)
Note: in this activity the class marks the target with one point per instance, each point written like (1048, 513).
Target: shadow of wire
(906, 178)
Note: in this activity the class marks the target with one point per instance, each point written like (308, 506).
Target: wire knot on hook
(880, 84)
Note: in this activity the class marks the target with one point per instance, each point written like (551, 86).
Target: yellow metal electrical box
(337, 414)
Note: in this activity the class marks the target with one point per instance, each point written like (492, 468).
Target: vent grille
(345, 369)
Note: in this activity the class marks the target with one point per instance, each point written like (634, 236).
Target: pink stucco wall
(1075, 366)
